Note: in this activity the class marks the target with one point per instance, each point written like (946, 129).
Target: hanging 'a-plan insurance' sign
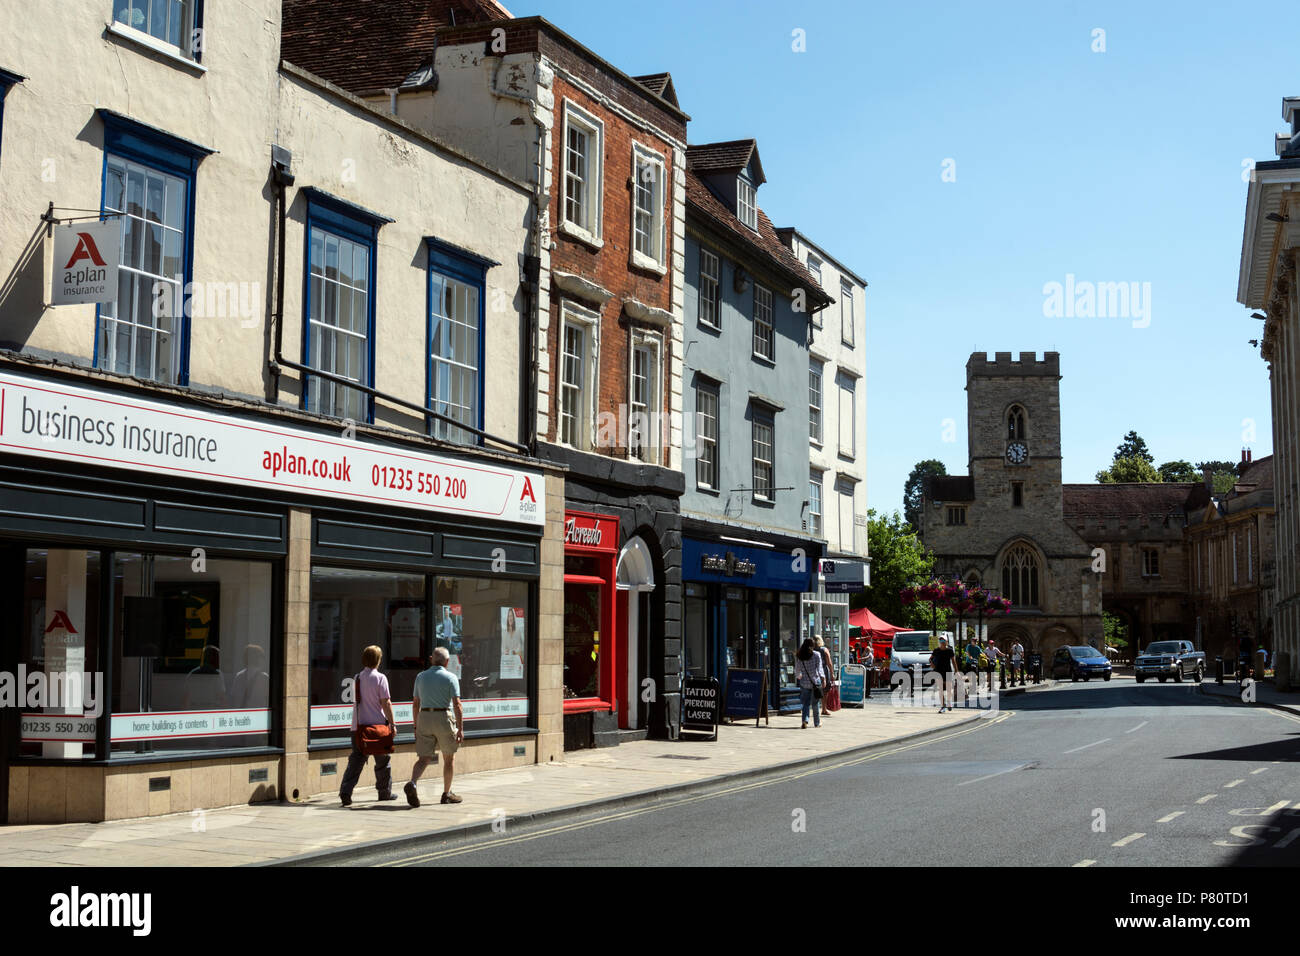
(86, 255)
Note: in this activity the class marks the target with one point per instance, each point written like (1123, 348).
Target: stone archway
(1007, 633)
(1052, 637)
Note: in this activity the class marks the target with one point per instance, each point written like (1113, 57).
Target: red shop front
(590, 651)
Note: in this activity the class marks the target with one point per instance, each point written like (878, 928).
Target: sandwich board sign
(701, 704)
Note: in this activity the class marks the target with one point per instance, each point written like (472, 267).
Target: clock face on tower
(1017, 453)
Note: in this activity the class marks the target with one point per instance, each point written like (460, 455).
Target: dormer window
(746, 209)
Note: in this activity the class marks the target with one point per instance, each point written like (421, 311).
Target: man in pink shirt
(372, 705)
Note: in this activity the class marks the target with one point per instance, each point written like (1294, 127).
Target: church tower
(1001, 525)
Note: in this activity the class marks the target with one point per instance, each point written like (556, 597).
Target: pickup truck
(1165, 659)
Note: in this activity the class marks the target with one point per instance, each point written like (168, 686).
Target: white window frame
(763, 418)
(572, 314)
(816, 480)
(715, 297)
(845, 498)
(645, 157)
(816, 271)
(847, 386)
(190, 47)
(651, 345)
(764, 302)
(746, 203)
(588, 231)
(706, 437)
(846, 317)
(816, 413)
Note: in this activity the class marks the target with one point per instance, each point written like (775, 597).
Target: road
(1089, 774)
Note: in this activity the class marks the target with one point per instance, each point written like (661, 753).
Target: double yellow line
(668, 805)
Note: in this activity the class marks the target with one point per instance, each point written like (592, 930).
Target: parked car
(1080, 663)
(1166, 659)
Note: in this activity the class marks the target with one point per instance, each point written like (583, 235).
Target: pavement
(1266, 694)
(320, 831)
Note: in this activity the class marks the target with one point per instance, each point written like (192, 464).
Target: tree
(1178, 471)
(914, 488)
(1133, 447)
(1115, 630)
(1129, 469)
(1222, 473)
(897, 560)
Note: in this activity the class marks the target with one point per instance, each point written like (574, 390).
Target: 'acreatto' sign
(70, 423)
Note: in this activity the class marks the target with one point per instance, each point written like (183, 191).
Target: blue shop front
(741, 609)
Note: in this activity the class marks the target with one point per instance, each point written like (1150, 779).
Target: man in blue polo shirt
(437, 694)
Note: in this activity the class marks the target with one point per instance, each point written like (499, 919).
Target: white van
(911, 648)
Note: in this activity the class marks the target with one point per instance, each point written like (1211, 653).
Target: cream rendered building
(837, 441)
(271, 223)
(1267, 280)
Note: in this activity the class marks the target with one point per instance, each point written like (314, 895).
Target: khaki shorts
(435, 730)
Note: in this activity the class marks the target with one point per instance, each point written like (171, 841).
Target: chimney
(1208, 477)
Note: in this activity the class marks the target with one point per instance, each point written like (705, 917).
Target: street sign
(747, 695)
(701, 702)
(86, 257)
(853, 685)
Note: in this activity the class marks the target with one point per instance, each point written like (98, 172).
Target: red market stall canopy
(865, 626)
(871, 625)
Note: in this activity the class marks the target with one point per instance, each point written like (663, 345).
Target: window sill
(765, 502)
(584, 705)
(709, 326)
(595, 243)
(154, 45)
(639, 260)
(816, 443)
(707, 490)
(763, 359)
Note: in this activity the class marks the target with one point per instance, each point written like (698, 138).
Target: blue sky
(1115, 166)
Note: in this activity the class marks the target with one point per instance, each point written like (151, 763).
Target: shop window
(456, 346)
(192, 654)
(350, 610)
(582, 633)
(695, 631)
(149, 189)
(60, 636)
(484, 624)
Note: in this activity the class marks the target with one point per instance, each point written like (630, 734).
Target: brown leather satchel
(372, 739)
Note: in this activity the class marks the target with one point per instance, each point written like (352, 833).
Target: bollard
(1002, 675)
(1218, 670)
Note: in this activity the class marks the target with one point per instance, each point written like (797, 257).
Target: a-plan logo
(85, 249)
(61, 620)
(528, 490)
(75, 909)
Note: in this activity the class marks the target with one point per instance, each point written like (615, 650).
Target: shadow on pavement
(1286, 750)
(1267, 841)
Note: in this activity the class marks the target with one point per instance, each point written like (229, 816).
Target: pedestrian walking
(829, 701)
(868, 660)
(372, 718)
(1017, 661)
(942, 663)
(994, 655)
(808, 672)
(436, 698)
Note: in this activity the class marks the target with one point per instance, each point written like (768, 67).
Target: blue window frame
(7, 80)
(456, 346)
(339, 305)
(148, 181)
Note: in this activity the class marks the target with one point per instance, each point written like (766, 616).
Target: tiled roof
(725, 157)
(1129, 498)
(1258, 474)
(661, 85)
(701, 199)
(367, 47)
(950, 488)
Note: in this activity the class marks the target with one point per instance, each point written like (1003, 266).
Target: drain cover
(680, 757)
